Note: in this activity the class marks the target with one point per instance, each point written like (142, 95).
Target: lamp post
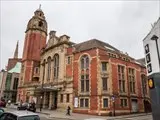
(113, 100)
(41, 103)
(155, 38)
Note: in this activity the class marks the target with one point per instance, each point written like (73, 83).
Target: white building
(152, 49)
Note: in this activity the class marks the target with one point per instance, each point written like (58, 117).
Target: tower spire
(16, 51)
(40, 6)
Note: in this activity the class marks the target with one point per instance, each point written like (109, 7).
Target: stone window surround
(84, 102)
(104, 97)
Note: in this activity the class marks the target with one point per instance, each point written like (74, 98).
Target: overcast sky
(119, 23)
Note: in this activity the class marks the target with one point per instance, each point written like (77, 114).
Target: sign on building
(152, 50)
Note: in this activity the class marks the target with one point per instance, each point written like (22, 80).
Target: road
(79, 117)
(146, 117)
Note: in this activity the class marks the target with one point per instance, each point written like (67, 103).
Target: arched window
(84, 62)
(56, 65)
(49, 68)
(84, 75)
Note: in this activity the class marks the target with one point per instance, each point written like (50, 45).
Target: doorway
(134, 104)
(55, 100)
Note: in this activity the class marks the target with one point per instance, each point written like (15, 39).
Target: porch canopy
(47, 89)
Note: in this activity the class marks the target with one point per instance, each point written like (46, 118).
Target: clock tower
(35, 40)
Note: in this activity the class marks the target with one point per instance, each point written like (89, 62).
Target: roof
(153, 27)
(16, 68)
(22, 113)
(141, 62)
(93, 43)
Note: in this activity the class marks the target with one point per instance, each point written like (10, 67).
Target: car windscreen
(31, 117)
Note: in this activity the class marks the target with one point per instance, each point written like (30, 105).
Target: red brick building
(35, 40)
(92, 77)
(106, 80)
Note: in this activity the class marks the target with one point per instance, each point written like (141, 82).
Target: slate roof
(142, 61)
(93, 43)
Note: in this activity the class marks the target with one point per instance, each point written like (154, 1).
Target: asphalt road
(146, 117)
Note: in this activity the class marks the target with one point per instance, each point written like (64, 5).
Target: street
(144, 117)
(61, 116)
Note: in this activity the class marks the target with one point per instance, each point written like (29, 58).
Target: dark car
(31, 107)
(2, 103)
(23, 106)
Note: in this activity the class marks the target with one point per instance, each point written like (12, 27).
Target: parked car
(19, 115)
(23, 106)
(17, 103)
(31, 107)
(1, 111)
(2, 103)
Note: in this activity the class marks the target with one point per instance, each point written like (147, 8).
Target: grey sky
(119, 23)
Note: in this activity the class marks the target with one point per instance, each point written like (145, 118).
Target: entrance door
(134, 106)
(55, 100)
(47, 99)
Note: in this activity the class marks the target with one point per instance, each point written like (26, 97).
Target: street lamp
(155, 38)
(113, 100)
(41, 103)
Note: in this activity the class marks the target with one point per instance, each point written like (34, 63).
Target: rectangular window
(104, 83)
(61, 97)
(104, 66)
(67, 97)
(81, 102)
(131, 77)
(105, 102)
(123, 102)
(121, 77)
(69, 60)
(84, 102)
(84, 83)
(36, 70)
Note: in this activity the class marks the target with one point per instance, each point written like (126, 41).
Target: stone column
(44, 100)
(50, 100)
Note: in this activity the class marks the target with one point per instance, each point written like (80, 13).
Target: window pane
(87, 62)
(104, 66)
(121, 102)
(82, 63)
(87, 85)
(67, 97)
(82, 85)
(104, 83)
(123, 86)
(125, 102)
(81, 102)
(105, 102)
(86, 102)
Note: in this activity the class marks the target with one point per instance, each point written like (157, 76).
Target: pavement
(61, 114)
(76, 116)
